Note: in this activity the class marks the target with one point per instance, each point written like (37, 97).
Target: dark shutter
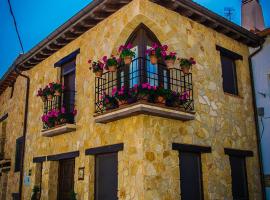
(229, 75)
(190, 176)
(18, 156)
(66, 179)
(239, 178)
(106, 172)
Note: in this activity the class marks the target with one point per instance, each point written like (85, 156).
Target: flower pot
(121, 102)
(185, 69)
(57, 93)
(112, 68)
(62, 121)
(49, 97)
(127, 60)
(99, 74)
(160, 99)
(153, 59)
(170, 63)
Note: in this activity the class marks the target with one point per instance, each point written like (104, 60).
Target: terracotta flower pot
(57, 93)
(49, 97)
(62, 121)
(99, 74)
(185, 69)
(170, 63)
(112, 68)
(160, 99)
(153, 59)
(127, 60)
(122, 102)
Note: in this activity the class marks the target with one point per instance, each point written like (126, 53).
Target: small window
(229, 75)
(239, 177)
(229, 72)
(18, 156)
(68, 71)
(190, 176)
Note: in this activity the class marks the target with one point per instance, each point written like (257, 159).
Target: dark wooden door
(239, 178)
(190, 176)
(106, 176)
(66, 179)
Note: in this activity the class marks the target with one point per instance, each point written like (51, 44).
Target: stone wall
(14, 129)
(148, 167)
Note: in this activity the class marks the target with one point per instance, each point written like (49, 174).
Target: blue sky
(37, 19)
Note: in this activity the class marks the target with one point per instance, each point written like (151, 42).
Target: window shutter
(18, 156)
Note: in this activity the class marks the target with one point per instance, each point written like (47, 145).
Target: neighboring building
(261, 73)
(252, 19)
(203, 148)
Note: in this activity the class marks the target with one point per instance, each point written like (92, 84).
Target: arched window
(141, 70)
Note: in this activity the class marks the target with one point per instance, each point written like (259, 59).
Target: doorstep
(144, 108)
(66, 128)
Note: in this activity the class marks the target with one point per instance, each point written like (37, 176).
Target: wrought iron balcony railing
(64, 104)
(176, 84)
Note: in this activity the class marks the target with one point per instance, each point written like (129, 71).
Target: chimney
(252, 15)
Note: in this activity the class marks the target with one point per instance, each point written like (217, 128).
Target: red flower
(89, 61)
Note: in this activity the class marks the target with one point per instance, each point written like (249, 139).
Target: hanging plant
(111, 63)
(156, 52)
(97, 67)
(170, 59)
(186, 64)
(126, 54)
(58, 88)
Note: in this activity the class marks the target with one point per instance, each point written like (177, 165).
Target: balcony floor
(144, 108)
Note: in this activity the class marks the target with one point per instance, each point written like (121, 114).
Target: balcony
(144, 88)
(58, 116)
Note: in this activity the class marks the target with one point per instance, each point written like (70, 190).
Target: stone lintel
(143, 108)
(66, 128)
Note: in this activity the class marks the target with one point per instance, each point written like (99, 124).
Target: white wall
(261, 71)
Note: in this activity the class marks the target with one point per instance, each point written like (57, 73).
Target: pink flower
(129, 46)
(63, 110)
(120, 48)
(165, 47)
(155, 87)
(105, 59)
(114, 90)
(63, 87)
(155, 45)
(50, 85)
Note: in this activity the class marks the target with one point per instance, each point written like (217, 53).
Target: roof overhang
(206, 17)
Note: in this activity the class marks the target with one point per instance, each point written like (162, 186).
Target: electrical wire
(15, 24)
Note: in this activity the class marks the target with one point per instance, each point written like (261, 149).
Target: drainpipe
(258, 135)
(24, 128)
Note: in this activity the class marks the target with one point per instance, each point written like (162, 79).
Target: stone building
(205, 148)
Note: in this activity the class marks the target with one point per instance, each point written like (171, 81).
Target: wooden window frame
(234, 57)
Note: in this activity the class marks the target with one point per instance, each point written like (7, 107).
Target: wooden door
(191, 176)
(106, 176)
(66, 179)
